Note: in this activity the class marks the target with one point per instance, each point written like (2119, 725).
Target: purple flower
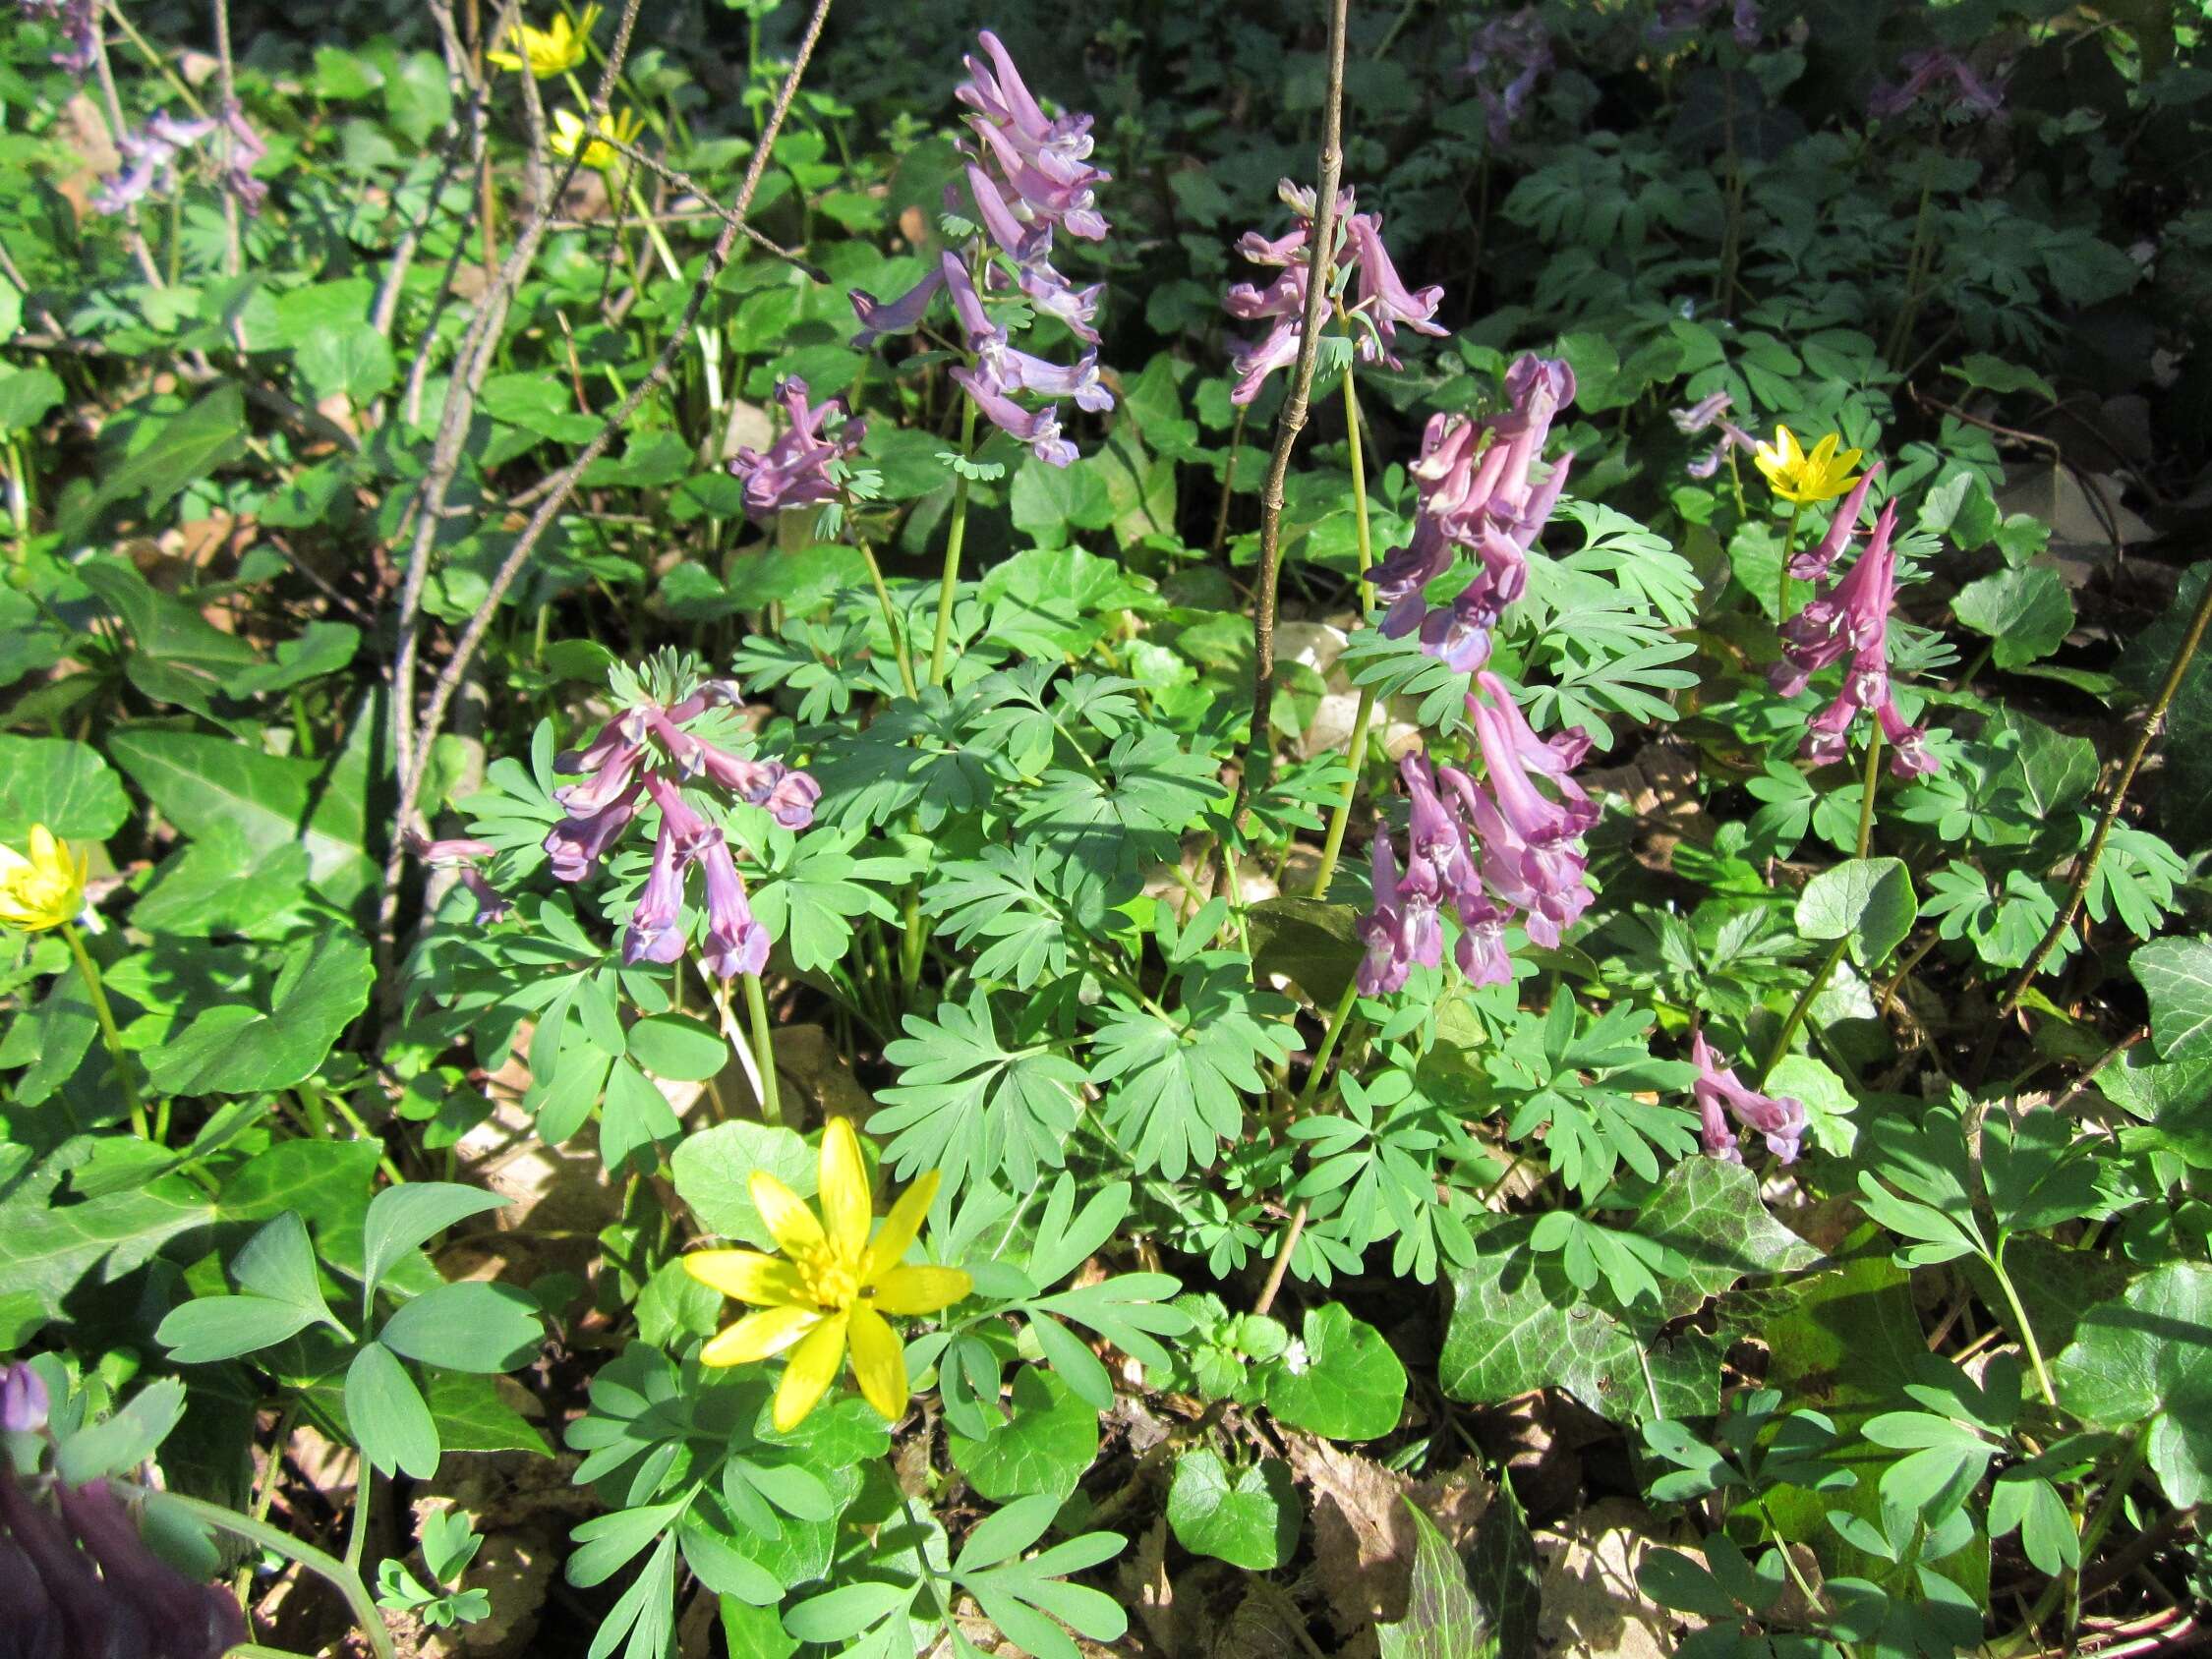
(23, 1399)
(83, 1581)
(1970, 94)
(1678, 17)
(1039, 429)
(796, 470)
(1720, 1095)
(902, 315)
(80, 25)
(1507, 56)
(1046, 161)
(1849, 623)
(736, 943)
(1384, 299)
(245, 152)
(1402, 928)
(655, 929)
(153, 151)
(575, 845)
(459, 853)
(1811, 564)
(1477, 495)
(1531, 859)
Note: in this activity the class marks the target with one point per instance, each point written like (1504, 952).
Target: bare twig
(2087, 869)
(678, 180)
(1260, 748)
(413, 763)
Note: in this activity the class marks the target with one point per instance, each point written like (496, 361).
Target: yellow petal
(1824, 452)
(879, 1363)
(789, 1222)
(747, 1275)
(846, 1209)
(503, 60)
(812, 1368)
(920, 1290)
(758, 1336)
(900, 1229)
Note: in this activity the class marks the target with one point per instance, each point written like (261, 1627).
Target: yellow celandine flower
(1804, 478)
(44, 889)
(569, 133)
(548, 51)
(831, 1287)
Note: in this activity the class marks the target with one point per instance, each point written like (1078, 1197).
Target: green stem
(891, 620)
(1819, 981)
(340, 1577)
(1332, 847)
(90, 971)
(1788, 536)
(764, 1054)
(2020, 1324)
(357, 1535)
(653, 234)
(1321, 1055)
(956, 536)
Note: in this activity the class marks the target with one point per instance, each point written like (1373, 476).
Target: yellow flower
(44, 889)
(569, 133)
(548, 51)
(833, 1285)
(1804, 478)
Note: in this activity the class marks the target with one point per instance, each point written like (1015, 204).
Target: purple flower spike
(1720, 1095)
(575, 845)
(1509, 54)
(1811, 564)
(1040, 430)
(1849, 623)
(1384, 298)
(902, 315)
(796, 469)
(736, 943)
(655, 929)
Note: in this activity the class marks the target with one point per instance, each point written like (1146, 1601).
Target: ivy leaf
(1868, 900)
(1707, 1213)
(1176, 1080)
(1444, 1620)
(2027, 613)
(1248, 1518)
(2175, 974)
(970, 1106)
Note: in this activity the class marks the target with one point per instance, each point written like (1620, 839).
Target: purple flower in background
(1381, 300)
(1478, 495)
(1679, 17)
(1507, 56)
(78, 1579)
(1712, 410)
(80, 25)
(152, 151)
(23, 1402)
(796, 470)
(464, 855)
(1969, 95)
(1719, 1095)
(1811, 564)
(245, 152)
(648, 751)
(1849, 623)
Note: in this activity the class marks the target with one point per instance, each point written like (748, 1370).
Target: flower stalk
(955, 538)
(89, 972)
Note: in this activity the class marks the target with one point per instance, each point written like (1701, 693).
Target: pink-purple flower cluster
(79, 22)
(1479, 494)
(645, 754)
(1495, 851)
(462, 854)
(1719, 1095)
(1680, 16)
(1849, 623)
(796, 471)
(1712, 410)
(1506, 58)
(1382, 300)
(1941, 82)
(152, 152)
(1028, 176)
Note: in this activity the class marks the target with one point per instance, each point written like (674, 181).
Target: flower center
(829, 1278)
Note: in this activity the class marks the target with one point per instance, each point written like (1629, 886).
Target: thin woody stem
(1341, 816)
(2087, 869)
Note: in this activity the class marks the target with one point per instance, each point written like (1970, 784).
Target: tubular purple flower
(791, 801)
(23, 1402)
(1019, 372)
(246, 151)
(1057, 150)
(655, 929)
(736, 943)
(1040, 430)
(968, 304)
(1701, 414)
(902, 315)
(1481, 952)
(1388, 961)
(1972, 95)
(1517, 47)
(796, 469)
(1811, 564)
(1718, 1090)
(575, 845)
(462, 854)
(1382, 295)
(1036, 196)
(1528, 855)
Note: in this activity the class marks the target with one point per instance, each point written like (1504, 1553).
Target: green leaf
(1311, 941)
(970, 1106)
(211, 1328)
(47, 1248)
(64, 785)
(1444, 1620)
(1339, 1379)
(2026, 612)
(350, 359)
(127, 1439)
(1708, 1212)
(278, 1262)
(386, 1411)
(678, 1047)
(714, 1168)
(1869, 900)
(321, 984)
(2147, 1359)
(1248, 1517)
(1043, 1448)
(470, 1326)
(400, 1218)
(26, 394)
(218, 885)
(2175, 974)
(179, 449)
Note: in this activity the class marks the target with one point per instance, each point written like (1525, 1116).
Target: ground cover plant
(1198, 831)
